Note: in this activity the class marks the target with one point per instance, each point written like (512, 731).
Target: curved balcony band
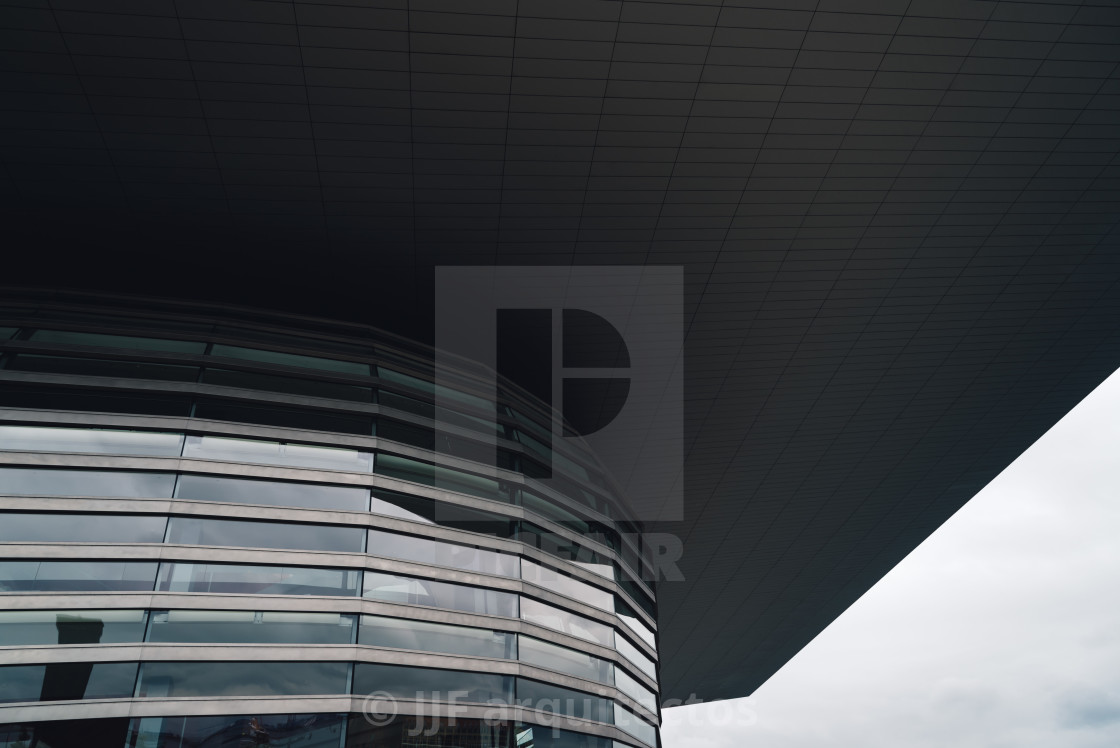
(218, 526)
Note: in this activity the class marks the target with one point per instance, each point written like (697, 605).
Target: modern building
(232, 529)
(897, 224)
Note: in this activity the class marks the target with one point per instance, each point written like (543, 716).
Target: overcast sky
(1002, 629)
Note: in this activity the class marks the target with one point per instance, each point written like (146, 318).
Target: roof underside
(897, 220)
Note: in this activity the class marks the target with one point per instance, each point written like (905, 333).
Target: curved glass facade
(202, 506)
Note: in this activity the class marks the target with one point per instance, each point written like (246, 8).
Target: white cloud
(1002, 629)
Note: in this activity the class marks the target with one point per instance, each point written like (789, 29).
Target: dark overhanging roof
(897, 222)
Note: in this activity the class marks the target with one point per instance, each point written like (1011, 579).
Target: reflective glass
(439, 553)
(273, 493)
(557, 581)
(277, 453)
(635, 690)
(65, 681)
(251, 627)
(635, 656)
(445, 478)
(276, 730)
(554, 511)
(430, 684)
(563, 659)
(635, 591)
(535, 736)
(405, 403)
(558, 545)
(257, 580)
(290, 385)
(414, 591)
(551, 456)
(406, 433)
(398, 633)
(98, 441)
(636, 625)
(543, 614)
(37, 627)
(14, 395)
(635, 725)
(290, 359)
(7, 332)
(103, 340)
(292, 418)
(117, 483)
(52, 527)
(293, 678)
(445, 514)
(426, 386)
(252, 534)
(87, 733)
(556, 700)
(96, 367)
(404, 731)
(76, 576)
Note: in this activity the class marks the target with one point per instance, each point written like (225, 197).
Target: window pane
(76, 576)
(95, 367)
(437, 732)
(37, 627)
(448, 479)
(7, 332)
(277, 453)
(636, 625)
(102, 340)
(556, 700)
(292, 418)
(413, 591)
(550, 456)
(554, 511)
(535, 736)
(277, 730)
(251, 534)
(81, 528)
(60, 398)
(634, 725)
(635, 690)
(557, 581)
(561, 547)
(48, 482)
(258, 580)
(407, 404)
(445, 514)
(66, 681)
(548, 616)
(251, 627)
(397, 633)
(562, 659)
(98, 441)
(108, 732)
(430, 684)
(439, 553)
(176, 679)
(640, 597)
(290, 385)
(634, 655)
(273, 493)
(290, 359)
(424, 385)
